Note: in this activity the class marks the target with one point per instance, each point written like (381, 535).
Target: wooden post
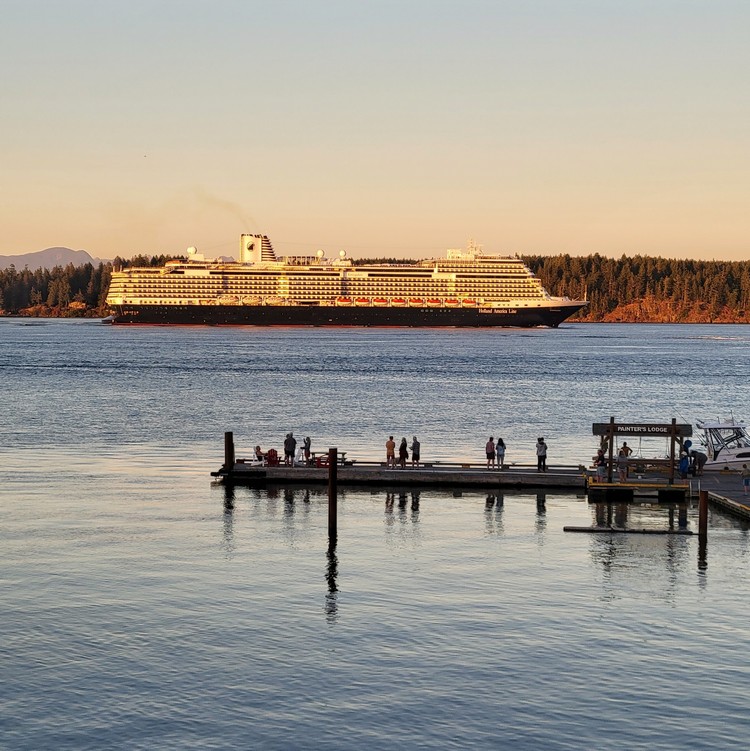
(672, 435)
(610, 462)
(332, 495)
(703, 513)
(702, 529)
(229, 451)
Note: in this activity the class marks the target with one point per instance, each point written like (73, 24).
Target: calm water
(142, 608)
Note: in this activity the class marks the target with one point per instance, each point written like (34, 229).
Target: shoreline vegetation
(629, 289)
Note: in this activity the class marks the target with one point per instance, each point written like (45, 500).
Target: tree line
(647, 289)
(629, 288)
(64, 291)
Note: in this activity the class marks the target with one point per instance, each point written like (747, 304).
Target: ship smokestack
(256, 249)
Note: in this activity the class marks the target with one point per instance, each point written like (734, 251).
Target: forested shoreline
(628, 289)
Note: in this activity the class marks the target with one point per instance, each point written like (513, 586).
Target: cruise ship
(466, 288)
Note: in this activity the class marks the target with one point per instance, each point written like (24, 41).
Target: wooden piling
(703, 514)
(672, 439)
(333, 460)
(228, 451)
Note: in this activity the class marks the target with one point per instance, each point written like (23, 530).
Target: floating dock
(725, 490)
(373, 473)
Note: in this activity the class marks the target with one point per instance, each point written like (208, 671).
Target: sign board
(640, 428)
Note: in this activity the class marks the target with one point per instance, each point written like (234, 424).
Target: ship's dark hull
(314, 315)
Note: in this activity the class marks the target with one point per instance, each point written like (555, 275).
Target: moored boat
(726, 443)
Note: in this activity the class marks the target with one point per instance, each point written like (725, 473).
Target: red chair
(272, 458)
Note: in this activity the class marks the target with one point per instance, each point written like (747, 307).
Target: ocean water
(145, 607)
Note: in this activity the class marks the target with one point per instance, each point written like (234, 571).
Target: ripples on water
(144, 609)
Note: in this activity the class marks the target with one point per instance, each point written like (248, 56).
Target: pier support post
(702, 529)
(672, 440)
(333, 460)
(228, 451)
(611, 449)
(703, 516)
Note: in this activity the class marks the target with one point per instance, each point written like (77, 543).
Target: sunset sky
(393, 127)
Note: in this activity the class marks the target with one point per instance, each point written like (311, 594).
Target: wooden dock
(377, 474)
(656, 488)
(725, 490)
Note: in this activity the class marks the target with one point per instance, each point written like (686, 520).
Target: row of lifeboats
(364, 302)
(409, 302)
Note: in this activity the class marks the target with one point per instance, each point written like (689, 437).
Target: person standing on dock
(290, 444)
(500, 453)
(415, 452)
(600, 462)
(628, 451)
(490, 451)
(745, 474)
(622, 464)
(390, 453)
(403, 453)
(541, 455)
(306, 446)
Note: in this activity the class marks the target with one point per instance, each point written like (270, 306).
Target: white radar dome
(342, 254)
(191, 251)
(320, 253)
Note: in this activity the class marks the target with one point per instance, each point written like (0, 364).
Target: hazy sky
(397, 127)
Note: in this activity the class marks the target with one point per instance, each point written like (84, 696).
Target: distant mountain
(47, 259)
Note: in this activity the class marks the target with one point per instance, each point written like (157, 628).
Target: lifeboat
(469, 302)
(252, 300)
(381, 302)
(434, 302)
(362, 301)
(416, 302)
(452, 302)
(399, 301)
(344, 301)
(274, 300)
(227, 300)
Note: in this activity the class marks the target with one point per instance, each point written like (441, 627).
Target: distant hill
(48, 259)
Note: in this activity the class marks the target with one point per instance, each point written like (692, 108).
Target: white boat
(726, 443)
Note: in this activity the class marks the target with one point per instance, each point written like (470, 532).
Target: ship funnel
(256, 249)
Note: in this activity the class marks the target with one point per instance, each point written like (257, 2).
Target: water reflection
(659, 557)
(403, 506)
(298, 514)
(494, 506)
(541, 512)
(415, 506)
(331, 605)
(228, 526)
